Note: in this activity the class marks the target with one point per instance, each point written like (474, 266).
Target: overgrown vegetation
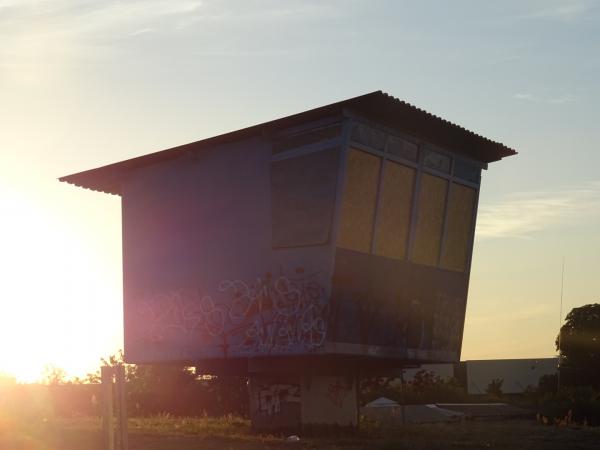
(576, 399)
(573, 401)
(151, 390)
(177, 391)
(425, 387)
(166, 432)
(572, 405)
(495, 388)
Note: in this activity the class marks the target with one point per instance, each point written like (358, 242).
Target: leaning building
(304, 252)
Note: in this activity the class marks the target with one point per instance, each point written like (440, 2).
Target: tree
(53, 376)
(494, 388)
(579, 346)
(548, 384)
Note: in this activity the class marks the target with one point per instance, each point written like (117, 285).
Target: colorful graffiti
(272, 396)
(398, 306)
(276, 314)
(179, 313)
(273, 314)
(337, 391)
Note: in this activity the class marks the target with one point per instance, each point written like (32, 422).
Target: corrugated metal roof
(376, 106)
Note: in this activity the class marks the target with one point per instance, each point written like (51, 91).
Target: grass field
(167, 433)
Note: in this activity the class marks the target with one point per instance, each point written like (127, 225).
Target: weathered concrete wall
(293, 401)
(275, 402)
(329, 400)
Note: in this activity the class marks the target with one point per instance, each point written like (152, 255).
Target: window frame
(420, 168)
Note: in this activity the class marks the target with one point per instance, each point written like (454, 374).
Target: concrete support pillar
(292, 402)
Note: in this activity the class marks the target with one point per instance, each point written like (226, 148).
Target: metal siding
(201, 278)
(396, 308)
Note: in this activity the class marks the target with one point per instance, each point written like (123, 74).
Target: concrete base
(292, 402)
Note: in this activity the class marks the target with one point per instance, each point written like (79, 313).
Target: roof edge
(377, 105)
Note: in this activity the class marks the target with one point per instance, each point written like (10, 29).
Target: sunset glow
(56, 299)
(86, 85)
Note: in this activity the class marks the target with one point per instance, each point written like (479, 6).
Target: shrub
(578, 404)
(425, 387)
(495, 387)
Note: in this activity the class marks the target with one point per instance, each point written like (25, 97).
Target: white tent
(390, 412)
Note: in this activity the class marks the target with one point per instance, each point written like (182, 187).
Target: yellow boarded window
(459, 226)
(358, 202)
(393, 221)
(430, 220)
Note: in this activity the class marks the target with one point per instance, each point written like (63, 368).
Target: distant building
(476, 375)
(516, 374)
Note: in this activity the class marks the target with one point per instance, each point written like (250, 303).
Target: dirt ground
(210, 434)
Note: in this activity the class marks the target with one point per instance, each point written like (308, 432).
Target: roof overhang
(376, 106)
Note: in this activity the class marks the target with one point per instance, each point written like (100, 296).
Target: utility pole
(562, 285)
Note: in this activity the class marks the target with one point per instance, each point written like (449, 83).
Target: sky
(89, 82)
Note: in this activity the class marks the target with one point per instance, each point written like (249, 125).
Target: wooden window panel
(430, 220)
(393, 221)
(359, 200)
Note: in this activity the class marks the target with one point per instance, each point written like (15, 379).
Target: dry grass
(169, 433)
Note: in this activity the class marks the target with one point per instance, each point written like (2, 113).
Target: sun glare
(55, 298)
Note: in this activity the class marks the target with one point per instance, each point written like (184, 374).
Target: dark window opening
(303, 197)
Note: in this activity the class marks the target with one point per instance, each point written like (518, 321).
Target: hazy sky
(89, 82)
